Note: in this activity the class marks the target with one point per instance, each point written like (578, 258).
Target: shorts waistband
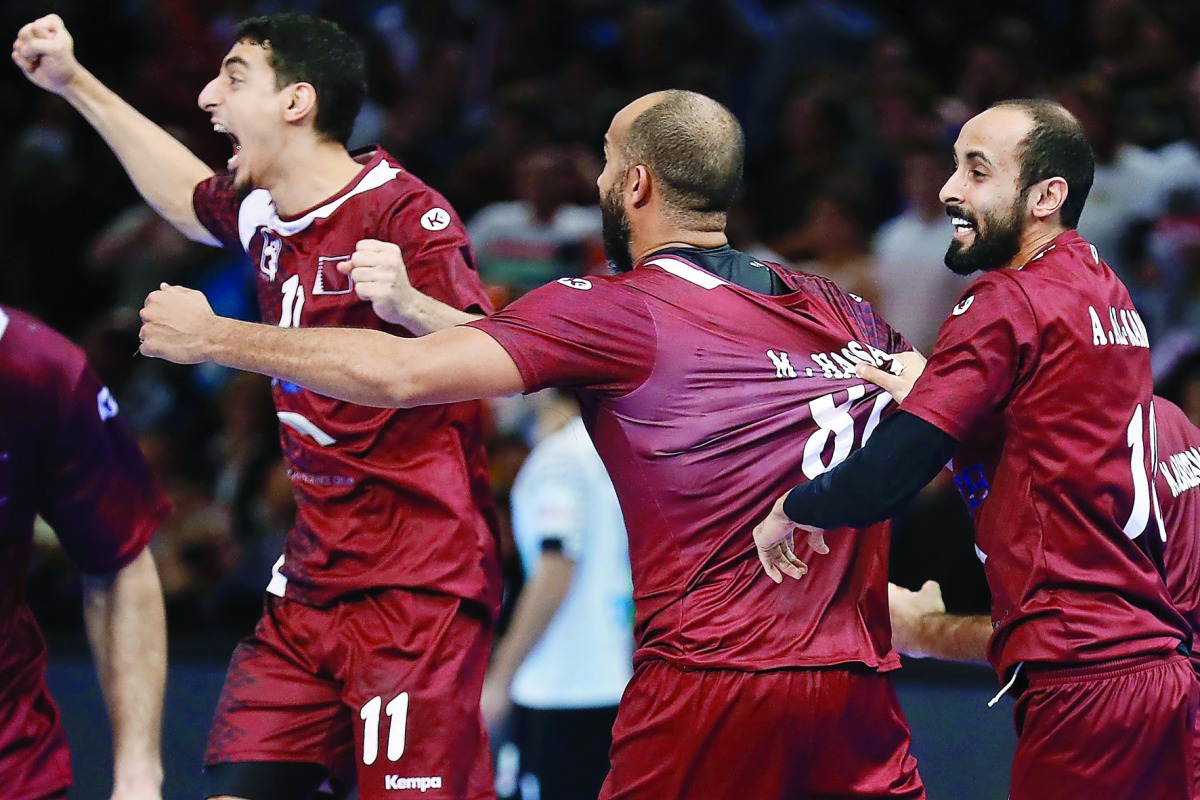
(1037, 675)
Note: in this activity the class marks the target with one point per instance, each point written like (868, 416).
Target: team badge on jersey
(330, 279)
(962, 307)
(583, 284)
(435, 219)
(268, 262)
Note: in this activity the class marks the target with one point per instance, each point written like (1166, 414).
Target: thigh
(414, 667)
(783, 734)
(275, 706)
(1128, 735)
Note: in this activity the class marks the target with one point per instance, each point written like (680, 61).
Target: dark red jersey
(707, 402)
(385, 497)
(66, 454)
(1042, 374)
(1177, 486)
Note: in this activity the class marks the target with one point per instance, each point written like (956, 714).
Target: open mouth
(963, 225)
(232, 163)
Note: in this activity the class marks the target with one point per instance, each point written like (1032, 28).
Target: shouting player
(371, 651)
(66, 454)
(1040, 388)
(692, 365)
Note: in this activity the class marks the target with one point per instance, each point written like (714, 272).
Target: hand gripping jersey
(706, 402)
(385, 497)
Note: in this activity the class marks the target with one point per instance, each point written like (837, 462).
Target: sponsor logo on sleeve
(106, 404)
(435, 219)
(583, 284)
(962, 307)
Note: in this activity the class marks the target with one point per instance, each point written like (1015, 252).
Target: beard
(615, 233)
(992, 249)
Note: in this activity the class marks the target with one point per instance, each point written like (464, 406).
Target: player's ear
(301, 101)
(640, 185)
(1046, 198)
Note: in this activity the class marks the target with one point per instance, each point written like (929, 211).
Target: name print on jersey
(1126, 328)
(839, 365)
(1182, 471)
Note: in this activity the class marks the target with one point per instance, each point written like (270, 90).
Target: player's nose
(208, 96)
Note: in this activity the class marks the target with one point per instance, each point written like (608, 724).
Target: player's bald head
(690, 143)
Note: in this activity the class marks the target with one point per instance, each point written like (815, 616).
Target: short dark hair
(302, 48)
(1055, 147)
(694, 146)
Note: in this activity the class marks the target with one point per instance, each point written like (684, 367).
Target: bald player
(693, 361)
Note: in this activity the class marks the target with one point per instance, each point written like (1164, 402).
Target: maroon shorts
(811, 733)
(34, 762)
(384, 688)
(1122, 730)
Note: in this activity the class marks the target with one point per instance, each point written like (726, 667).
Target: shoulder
(37, 352)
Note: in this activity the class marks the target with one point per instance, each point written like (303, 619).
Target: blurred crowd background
(849, 110)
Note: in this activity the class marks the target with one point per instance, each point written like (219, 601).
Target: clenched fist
(381, 278)
(45, 52)
(176, 325)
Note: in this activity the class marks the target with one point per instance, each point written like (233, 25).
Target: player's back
(748, 395)
(1067, 528)
(386, 497)
(1178, 492)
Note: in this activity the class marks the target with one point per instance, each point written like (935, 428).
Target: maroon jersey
(1042, 374)
(385, 497)
(65, 454)
(699, 396)
(1177, 487)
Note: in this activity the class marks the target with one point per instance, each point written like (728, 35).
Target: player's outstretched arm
(370, 368)
(921, 628)
(126, 626)
(161, 168)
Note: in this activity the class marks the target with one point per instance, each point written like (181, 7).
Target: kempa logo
(395, 782)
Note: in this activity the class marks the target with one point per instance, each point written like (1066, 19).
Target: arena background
(849, 110)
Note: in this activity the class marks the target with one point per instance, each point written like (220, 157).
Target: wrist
(80, 87)
(217, 342)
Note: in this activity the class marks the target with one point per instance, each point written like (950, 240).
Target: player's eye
(978, 174)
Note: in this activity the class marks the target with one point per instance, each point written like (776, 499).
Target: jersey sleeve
(216, 204)
(99, 495)
(985, 348)
(437, 252)
(579, 334)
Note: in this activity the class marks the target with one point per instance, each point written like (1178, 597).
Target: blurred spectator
(834, 239)
(916, 290)
(542, 235)
(1128, 186)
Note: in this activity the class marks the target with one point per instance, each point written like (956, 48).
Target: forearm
(948, 637)
(537, 605)
(126, 627)
(366, 367)
(161, 168)
(423, 314)
(878, 481)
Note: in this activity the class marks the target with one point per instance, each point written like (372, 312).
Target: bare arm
(361, 366)
(161, 168)
(921, 628)
(381, 278)
(537, 605)
(126, 626)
